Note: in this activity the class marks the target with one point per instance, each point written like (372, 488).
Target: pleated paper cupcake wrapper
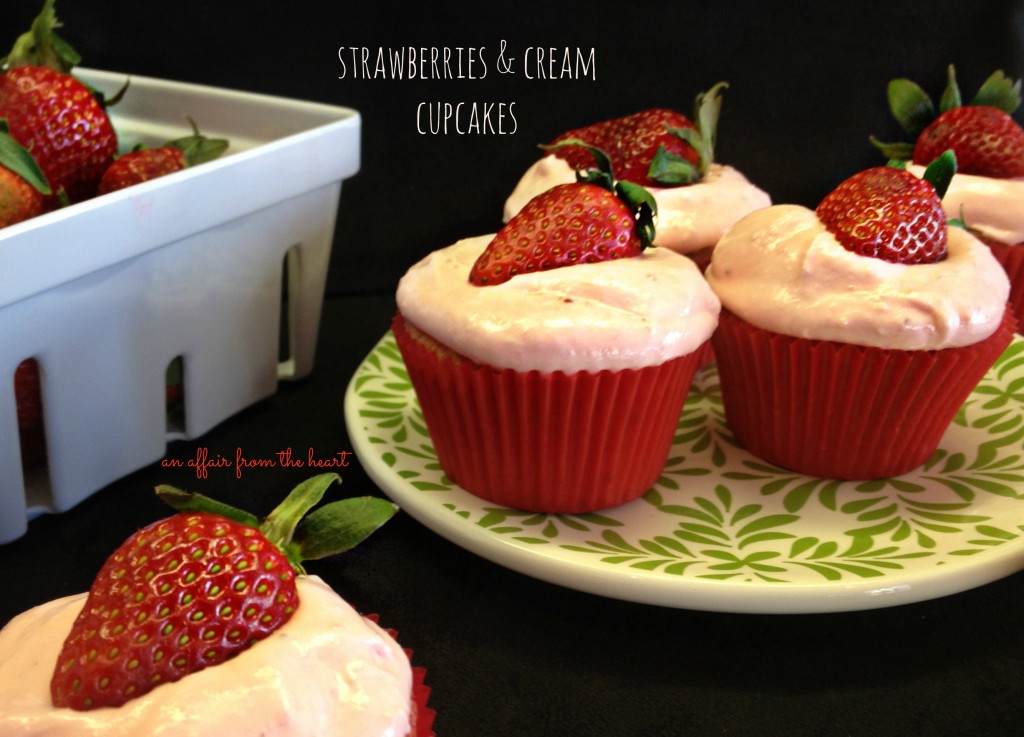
(422, 720)
(556, 443)
(1012, 259)
(842, 411)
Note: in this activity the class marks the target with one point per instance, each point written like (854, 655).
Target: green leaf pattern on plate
(719, 513)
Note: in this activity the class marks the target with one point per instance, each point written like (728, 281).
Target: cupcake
(552, 359)
(987, 193)
(199, 625)
(850, 335)
(670, 155)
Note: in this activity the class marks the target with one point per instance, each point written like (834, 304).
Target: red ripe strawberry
(22, 184)
(52, 113)
(985, 139)
(887, 213)
(62, 123)
(583, 222)
(178, 596)
(631, 142)
(196, 589)
(29, 401)
(140, 166)
(655, 147)
(19, 200)
(144, 164)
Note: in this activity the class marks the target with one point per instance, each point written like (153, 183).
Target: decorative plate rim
(388, 438)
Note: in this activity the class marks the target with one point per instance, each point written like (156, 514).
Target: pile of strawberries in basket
(58, 145)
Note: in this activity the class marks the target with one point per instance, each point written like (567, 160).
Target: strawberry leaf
(197, 148)
(187, 501)
(900, 150)
(707, 111)
(644, 208)
(999, 91)
(17, 158)
(951, 95)
(671, 169)
(910, 105)
(940, 172)
(340, 526)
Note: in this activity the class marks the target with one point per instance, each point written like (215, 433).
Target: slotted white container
(106, 293)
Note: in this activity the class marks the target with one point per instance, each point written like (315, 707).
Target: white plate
(723, 531)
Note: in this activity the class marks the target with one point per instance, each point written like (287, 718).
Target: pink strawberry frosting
(690, 218)
(327, 671)
(780, 269)
(622, 314)
(992, 207)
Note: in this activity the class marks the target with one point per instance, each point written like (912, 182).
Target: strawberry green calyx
(939, 173)
(17, 158)
(914, 109)
(331, 529)
(673, 170)
(197, 148)
(639, 201)
(41, 46)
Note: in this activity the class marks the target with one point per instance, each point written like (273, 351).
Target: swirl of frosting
(994, 208)
(780, 269)
(690, 217)
(325, 671)
(622, 314)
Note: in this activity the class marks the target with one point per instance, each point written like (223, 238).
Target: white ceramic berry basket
(194, 266)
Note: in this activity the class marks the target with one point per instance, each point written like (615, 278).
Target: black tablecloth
(508, 654)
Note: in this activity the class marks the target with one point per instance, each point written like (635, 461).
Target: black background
(507, 654)
(807, 87)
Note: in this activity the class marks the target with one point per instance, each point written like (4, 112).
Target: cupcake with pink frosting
(987, 192)
(202, 623)
(670, 155)
(552, 359)
(850, 335)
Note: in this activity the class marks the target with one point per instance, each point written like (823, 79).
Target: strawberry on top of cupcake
(206, 623)
(988, 189)
(987, 192)
(851, 334)
(551, 359)
(673, 157)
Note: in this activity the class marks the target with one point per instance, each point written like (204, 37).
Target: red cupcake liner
(546, 442)
(1012, 259)
(843, 411)
(422, 716)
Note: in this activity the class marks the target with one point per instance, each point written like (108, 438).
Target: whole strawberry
(19, 200)
(655, 147)
(593, 219)
(143, 164)
(53, 114)
(198, 588)
(888, 213)
(29, 401)
(22, 184)
(987, 141)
